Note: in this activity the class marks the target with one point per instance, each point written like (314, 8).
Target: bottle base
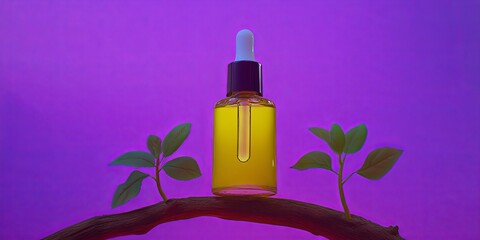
(245, 190)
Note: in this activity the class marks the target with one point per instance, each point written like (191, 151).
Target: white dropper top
(244, 46)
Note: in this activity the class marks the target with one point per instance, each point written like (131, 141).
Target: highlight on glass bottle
(244, 152)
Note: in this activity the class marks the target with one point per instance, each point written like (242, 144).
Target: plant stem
(349, 176)
(340, 187)
(157, 180)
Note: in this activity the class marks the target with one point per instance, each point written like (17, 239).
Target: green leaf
(175, 138)
(135, 159)
(129, 189)
(379, 162)
(321, 133)
(314, 159)
(154, 144)
(355, 138)
(337, 139)
(182, 168)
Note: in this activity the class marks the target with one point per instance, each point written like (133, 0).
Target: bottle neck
(244, 94)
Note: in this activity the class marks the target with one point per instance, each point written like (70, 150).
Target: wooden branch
(316, 219)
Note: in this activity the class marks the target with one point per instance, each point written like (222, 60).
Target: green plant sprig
(377, 164)
(180, 168)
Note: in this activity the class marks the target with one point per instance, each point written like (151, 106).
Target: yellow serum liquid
(244, 158)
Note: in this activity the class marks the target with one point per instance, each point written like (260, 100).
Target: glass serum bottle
(244, 149)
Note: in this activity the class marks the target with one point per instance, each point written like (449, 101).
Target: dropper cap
(244, 46)
(244, 74)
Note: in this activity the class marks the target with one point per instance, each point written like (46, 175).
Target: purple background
(83, 81)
